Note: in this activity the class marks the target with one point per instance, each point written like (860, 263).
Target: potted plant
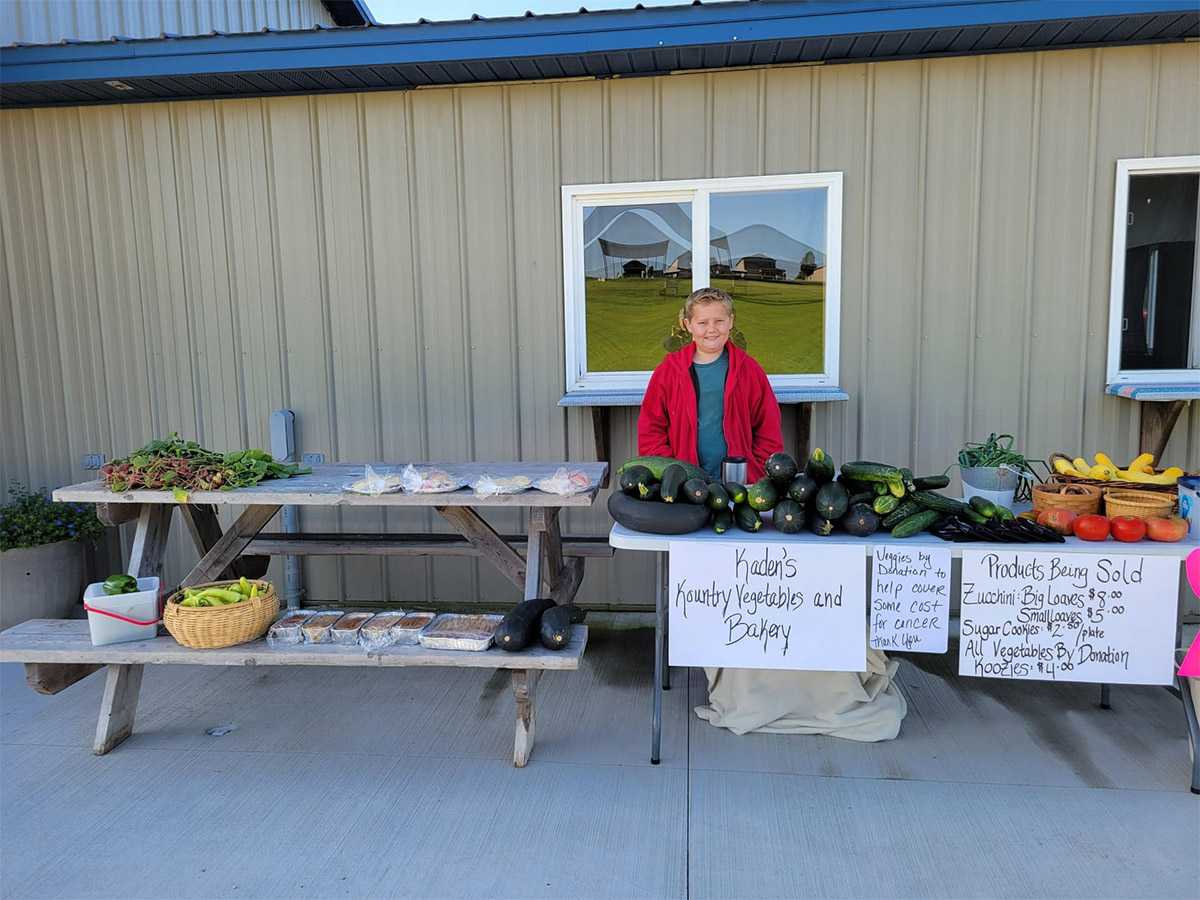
(41, 555)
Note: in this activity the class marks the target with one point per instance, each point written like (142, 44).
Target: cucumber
(736, 492)
(906, 476)
(656, 464)
(861, 520)
(788, 516)
(722, 520)
(885, 504)
(1004, 514)
(901, 512)
(695, 491)
(746, 517)
(556, 628)
(763, 494)
(983, 506)
(671, 483)
(718, 497)
(931, 482)
(819, 466)
(879, 488)
(916, 523)
(633, 477)
(863, 470)
(515, 630)
(971, 515)
(940, 502)
(780, 468)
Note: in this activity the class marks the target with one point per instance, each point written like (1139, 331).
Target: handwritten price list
(910, 598)
(767, 606)
(1068, 617)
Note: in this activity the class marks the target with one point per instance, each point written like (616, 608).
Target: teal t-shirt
(710, 412)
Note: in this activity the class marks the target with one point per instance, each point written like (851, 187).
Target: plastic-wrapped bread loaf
(316, 629)
(345, 630)
(379, 631)
(287, 629)
(451, 631)
(408, 631)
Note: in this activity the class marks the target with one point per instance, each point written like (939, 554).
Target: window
(630, 260)
(1154, 323)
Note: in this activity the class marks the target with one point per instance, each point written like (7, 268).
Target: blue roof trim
(602, 44)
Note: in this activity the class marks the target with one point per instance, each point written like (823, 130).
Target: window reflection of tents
(633, 260)
(758, 265)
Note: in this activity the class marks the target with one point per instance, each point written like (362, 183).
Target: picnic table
(539, 562)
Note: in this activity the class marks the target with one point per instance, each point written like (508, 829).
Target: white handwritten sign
(767, 606)
(910, 598)
(1068, 616)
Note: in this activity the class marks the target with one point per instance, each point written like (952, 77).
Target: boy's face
(709, 325)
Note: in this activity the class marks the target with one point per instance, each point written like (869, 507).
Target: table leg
(1105, 696)
(150, 540)
(544, 550)
(524, 683)
(230, 545)
(1193, 726)
(659, 618)
(118, 706)
(202, 524)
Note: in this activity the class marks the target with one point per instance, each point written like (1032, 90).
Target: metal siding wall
(46, 22)
(388, 265)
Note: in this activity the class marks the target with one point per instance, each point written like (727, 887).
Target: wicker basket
(209, 627)
(1081, 499)
(1120, 485)
(1142, 504)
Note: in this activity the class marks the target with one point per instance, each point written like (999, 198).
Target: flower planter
(40, 582)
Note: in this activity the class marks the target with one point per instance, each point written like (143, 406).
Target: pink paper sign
(1191, 662)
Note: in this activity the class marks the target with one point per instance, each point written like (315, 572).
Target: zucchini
(672, 480)
(556, 628)
(916, 523)
(867, 497)
(722, 520)
(746, 517)
(901, 512)
(931, 482)
(763, 494)
(718, 497)
(862, 470)
(695, 491)
(515, 630)
(656, 465)
(649, 491)
(820, 525)
(885, 504)
(575, 614)
(819, 466)
(633, 477)
(788, 516)
(832, 501)
(780, 468)
(802, 489)
(940, 502)
(861, 520)
(656, 518)
(983, 506)
(736, 492)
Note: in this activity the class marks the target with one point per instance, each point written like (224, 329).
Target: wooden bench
(58, 652)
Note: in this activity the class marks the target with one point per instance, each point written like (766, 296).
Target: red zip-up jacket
(667, 424)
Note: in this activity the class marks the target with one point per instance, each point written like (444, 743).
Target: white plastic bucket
(999, 485)
(122, 617)
(1189, 503)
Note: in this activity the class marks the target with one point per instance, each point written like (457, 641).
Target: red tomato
(1166, 528)
(1092, 528)
(1128, 528)
(1059, 520)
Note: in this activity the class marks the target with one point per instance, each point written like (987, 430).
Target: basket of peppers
(221, 613)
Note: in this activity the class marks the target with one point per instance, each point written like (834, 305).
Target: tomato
(1166, 528)
(1092, 528)
(1128, 528)
(1059, 520)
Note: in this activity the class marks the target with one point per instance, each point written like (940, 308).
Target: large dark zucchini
(832, 501)
(819, 466)
(656, 465)
(763, 494)
(695, 491)
(633, 477)
(746, 517)
(515, 630)
(802, 489)
(718, 497)
(656, 518)
(861, 520)
(788, 516)
(722, 520)
(780, 468)
(820, 525)
(736, 492)
(671, 484)
(556, 628)
(575, 614)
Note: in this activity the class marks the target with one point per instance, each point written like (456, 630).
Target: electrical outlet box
(312, 458)
(93, 460)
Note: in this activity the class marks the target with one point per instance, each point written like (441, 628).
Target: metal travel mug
(733, 468)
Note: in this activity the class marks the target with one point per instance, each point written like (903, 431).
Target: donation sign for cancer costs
(1068, 616)
(767, 606)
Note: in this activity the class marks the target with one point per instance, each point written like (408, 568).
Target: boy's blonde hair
(707, 295)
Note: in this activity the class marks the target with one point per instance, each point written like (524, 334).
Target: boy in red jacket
(711, 399)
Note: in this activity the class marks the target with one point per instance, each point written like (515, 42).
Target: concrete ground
(399, 783)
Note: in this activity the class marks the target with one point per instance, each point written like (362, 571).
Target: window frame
(697, 192)
(1114, 374)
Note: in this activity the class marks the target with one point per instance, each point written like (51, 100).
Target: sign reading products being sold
(767, 606)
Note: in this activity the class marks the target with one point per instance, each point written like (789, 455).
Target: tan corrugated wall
(388, 266)
(50, 21)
